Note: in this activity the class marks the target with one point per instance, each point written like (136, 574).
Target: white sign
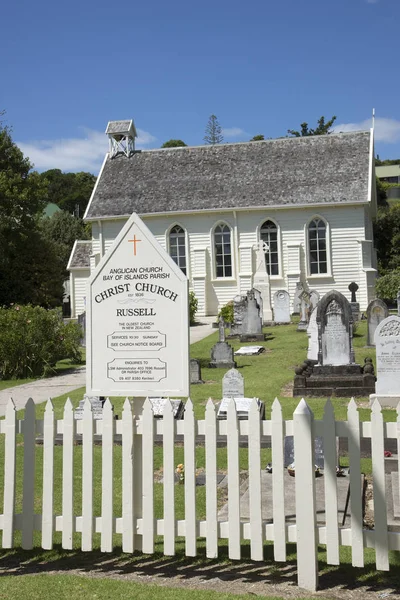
(138, 320)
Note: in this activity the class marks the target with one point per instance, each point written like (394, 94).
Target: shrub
(193, 304)
(226, 312)
(388, 286)
(33, 339)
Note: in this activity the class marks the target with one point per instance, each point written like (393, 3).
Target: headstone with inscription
(387, 342)
(195, 371)
(252, 320)
(296, 298)
(376, 312)
(319, 457)
(137, 319)
(312, 333)
(281, 307)
(305, 303)
(158, 405)
(242, 407)
(97, 407)
(239, 308)
(233, 384)
(335, 328)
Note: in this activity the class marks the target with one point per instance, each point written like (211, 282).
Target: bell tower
(121, 135)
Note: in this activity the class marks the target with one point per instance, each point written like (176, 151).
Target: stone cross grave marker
(335, 330)
(387, 342)
(281, 307)
(233, 384)
(261, 280)
(355, 306)
(376, 312)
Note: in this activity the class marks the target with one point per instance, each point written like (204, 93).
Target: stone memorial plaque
(312, 333)
(242, 407)
(137, 319)
(376, 312)
(195, 371)
(281, 307)
(158, 405)
(232, 384)
(249, 350)
(387, 342)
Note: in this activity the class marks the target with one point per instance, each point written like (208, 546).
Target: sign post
(137, 320)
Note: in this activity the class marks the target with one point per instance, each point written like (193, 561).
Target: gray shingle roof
(118, 126)
(80, 256)
(289, 171)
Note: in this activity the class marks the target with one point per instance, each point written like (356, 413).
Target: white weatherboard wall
(78, 289)
(352, 256)
(137, 319)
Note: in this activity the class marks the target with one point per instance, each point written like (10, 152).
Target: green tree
(173, 144)
(70, 191)
(381, 194)
(322, 128)
(388, 286)
(387, 238)
(258, 138)
(213, 133)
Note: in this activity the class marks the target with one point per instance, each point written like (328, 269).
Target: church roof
(282, 172)
(80, 255)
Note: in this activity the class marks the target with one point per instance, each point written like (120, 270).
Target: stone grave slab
(158, 405)
(376, 312)
(249, 350)
(233, 384)
(281, 307)
(242, 407)
(387, 342)
(195, 371)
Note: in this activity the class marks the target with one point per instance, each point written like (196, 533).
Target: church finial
(121, 135)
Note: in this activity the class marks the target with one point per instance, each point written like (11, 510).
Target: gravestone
(304, 310)
(312, 333)
(222, 352)
(82, 323)
(355, 306)
(249, 350)
(387, 342)
(296, 298)
(281, 307)
(319, 457)
(252, 321)
(195, 371)
(376, 312)
(314, 299)
(97, 407)
(335, 330)
(261, 281)
(233, 384)
(259, 300)
(242, 407)
(239, 309)
(158, 404)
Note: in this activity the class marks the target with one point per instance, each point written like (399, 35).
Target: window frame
(186, 246)
(214, 254)
(327, 249)
(278, 244)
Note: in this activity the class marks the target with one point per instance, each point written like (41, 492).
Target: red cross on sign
(135, 241)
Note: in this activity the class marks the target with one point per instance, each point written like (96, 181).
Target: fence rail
(138, 524)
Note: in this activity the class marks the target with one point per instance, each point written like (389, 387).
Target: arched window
(317, 247)
(177, 247)
(222, 250)
(269, 234)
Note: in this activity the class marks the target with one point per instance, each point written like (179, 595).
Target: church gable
(329, 169)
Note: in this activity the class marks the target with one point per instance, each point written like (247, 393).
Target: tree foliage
(323, 128)
(213, 133)
(173, 144)
(70, 191)
(387, 238)
(387, 287)
(258, 138)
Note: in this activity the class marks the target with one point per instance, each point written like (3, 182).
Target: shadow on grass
(119, 564)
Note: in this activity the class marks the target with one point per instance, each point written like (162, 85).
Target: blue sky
(260, 66)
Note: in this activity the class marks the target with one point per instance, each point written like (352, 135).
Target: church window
(177, 247)
(222, 250)
(269, 235)
(317, 247)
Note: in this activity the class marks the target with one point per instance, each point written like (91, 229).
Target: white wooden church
(312, 199)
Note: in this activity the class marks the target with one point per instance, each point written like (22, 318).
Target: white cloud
(75, 154)
(233, 132)
(386, 130)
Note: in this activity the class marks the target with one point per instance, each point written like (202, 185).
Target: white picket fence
(138, 524)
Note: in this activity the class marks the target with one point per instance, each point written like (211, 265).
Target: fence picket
(107, 478)
(29, 430)
(148, 479)
(306, 520)
(68, 520)
(9, 474)
(378, 476)
(87, 477)
(330, 479)
(233, 481)
(48, 477)
(254, 443)
(169, 478)
(190, 480)
(357, 547)
(127, 478)
(211, 480)
(278, 484)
